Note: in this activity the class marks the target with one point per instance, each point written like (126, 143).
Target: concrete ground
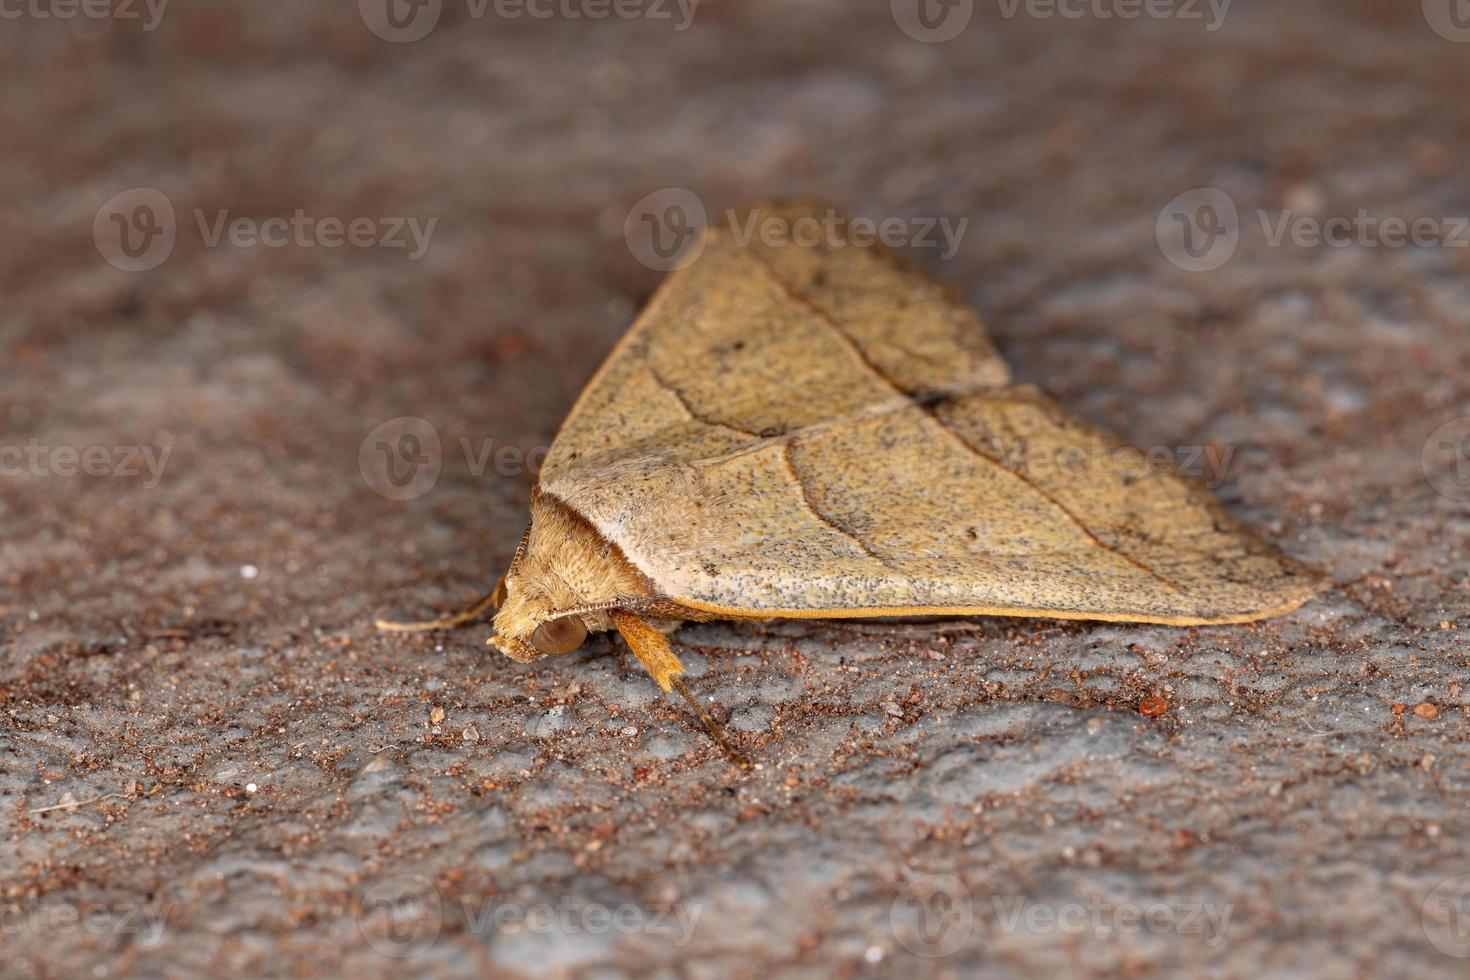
(211, 762)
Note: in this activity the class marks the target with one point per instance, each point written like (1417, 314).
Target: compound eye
(560, 635)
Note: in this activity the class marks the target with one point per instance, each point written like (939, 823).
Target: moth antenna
(653, 651)
(464, 617)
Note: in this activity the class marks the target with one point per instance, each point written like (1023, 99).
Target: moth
(811, 428)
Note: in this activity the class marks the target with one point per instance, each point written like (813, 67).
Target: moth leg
(653, 651)
(464, 617)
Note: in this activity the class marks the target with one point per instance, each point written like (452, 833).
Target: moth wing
(770, 441)
(758, 339)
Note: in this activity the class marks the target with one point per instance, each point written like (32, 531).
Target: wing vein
(959, 437)
(927, 405)
(811, 505)
(691, 411)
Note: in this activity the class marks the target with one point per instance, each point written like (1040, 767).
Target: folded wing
(820, 430)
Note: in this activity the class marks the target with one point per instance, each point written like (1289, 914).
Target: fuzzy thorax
(566, 568)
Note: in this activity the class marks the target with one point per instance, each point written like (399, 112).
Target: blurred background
(297, 295)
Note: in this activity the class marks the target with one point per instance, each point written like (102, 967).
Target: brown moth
(822, 431)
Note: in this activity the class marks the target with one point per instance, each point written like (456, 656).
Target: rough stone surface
(212, 763)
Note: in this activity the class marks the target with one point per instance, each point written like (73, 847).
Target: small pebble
(630, 731)
(436, 714)
(1152, 707)
(471, 734)
(874, 954)
(249, 571)
(251, 787)
(1425, 709)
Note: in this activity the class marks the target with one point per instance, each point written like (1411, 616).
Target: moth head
(532, 622)
(559, 585)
